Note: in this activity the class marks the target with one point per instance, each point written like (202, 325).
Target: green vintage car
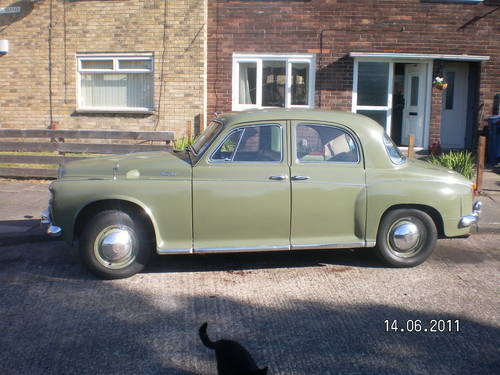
(263, 180)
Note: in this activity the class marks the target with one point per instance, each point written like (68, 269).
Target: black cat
(232, 358)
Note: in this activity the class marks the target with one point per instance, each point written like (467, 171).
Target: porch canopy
(418, 56)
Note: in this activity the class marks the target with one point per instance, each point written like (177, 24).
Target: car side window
(325, 143)
(226, 150)
(261, 143)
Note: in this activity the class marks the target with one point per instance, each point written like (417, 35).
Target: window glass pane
(373, 80)
(450, 80)
(97, 64)
(379, 116)
(117, 90)
(205, 138)
(393, 152)
(134, 64)
(300, 84)
(260, 143)
(414, 90)
(325, 143)
(226, 150)
(248, 83)
(273, 83)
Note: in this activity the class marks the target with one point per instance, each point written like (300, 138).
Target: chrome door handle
(300, 178)
(278, 178)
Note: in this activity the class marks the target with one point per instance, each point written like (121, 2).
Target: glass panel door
(373, 90)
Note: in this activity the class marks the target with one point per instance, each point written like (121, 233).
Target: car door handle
(300, 178)
(278, 178)
(413, 114)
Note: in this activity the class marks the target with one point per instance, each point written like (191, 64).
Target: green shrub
(182, 143)
(460, 161)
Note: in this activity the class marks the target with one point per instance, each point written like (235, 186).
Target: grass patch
(32, 166)
(182, 143)
(460, 161)
(40, 166)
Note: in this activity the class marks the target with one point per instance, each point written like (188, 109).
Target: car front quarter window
(393, 152)
(205, 139)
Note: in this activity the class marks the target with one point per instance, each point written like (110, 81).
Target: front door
(328, 187)
(241, 191)
(414, 107)
(454, 105)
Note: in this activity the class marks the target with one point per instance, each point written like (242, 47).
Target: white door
(414, 109)
(454, 105)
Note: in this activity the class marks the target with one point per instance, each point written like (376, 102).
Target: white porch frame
(388, 107)
(408, 58)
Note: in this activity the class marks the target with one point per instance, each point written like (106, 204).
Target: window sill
(114, 111)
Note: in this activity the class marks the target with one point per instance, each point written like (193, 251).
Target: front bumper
(467, 221)
(48, 227)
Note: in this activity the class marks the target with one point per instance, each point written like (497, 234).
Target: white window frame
(258, 60)
(388, 107)
(116, 58)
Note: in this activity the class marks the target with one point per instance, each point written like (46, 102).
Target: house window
(372, 90)
(115, 83)
(264, 81)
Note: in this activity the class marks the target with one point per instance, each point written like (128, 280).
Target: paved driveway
(298, 313)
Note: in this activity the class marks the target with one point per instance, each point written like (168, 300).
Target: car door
(241, 191)
(328, 187)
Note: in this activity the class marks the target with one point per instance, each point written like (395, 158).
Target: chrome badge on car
(168, 174)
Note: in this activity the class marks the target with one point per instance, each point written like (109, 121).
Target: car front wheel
(406, 237)
(115, 244)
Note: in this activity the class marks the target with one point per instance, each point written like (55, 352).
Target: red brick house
(379, 58)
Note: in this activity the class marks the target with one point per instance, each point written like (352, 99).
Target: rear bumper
(48, 227)
(469, 220)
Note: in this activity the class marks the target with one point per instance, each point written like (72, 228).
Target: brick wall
(333, 28)
(119, 26)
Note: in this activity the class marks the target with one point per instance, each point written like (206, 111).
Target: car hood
(420, 169)
(150, 165)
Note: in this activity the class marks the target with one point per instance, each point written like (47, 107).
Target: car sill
(208, 250)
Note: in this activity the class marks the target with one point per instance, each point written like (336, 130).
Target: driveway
(309, 312)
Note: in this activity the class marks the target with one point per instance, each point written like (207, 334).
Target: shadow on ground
(56, 318)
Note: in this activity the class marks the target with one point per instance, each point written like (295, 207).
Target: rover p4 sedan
(265, 180)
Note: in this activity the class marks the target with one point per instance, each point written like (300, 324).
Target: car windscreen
(393, 151)
(204, 139)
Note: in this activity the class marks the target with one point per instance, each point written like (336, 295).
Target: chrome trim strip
(348, 245)
(207, 250)
(331, 183)
(240, 249)
(438, 180)
(174, 251)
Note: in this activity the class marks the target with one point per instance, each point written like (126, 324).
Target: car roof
(354, 121)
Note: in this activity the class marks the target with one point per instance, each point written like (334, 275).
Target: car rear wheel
(406, 237)
(115, 244)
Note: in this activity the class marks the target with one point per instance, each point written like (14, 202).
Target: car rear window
(393, 151)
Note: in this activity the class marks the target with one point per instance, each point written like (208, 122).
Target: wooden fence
(54, 141)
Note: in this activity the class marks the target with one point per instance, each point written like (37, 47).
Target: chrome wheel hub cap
(114, 247)
(405, 238)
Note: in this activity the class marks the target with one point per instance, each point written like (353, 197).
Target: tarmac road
(309, 312)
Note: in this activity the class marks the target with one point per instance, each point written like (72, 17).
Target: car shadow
(343, 259)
